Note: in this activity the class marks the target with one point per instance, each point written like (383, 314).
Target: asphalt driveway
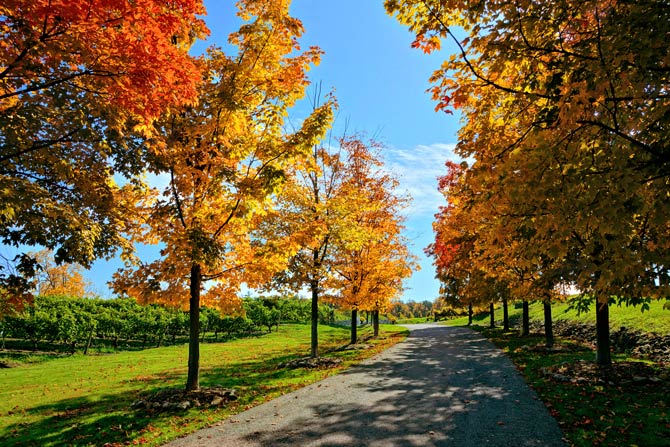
(443, 386)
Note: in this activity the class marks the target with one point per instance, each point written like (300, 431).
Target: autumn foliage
(565, 113)
(371, 259)
(76, 78)
(224, 160)
(131, 55)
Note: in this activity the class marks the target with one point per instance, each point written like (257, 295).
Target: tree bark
(375, 323)
(603, 356)
(193, 379)
(505, 316)
(470, 314)
(525, 319)
(548, 324)
(492, 315)
(354, 326)
(315, 319)
(88, 342)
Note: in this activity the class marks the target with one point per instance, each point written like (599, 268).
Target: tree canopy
(565, 109)
(225, 158)
(75, 79)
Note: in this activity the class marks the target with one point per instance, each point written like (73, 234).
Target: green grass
(85, 400)
(656, 319)
(592, 413)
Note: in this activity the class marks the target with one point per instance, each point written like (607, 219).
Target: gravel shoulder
(442, 386)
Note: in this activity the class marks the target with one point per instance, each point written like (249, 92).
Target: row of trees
(413, 309)
(108, 92)
(566, 114)
(75, 322)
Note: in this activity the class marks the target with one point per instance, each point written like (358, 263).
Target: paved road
(443, 386)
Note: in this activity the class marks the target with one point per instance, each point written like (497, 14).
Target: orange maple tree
(372, 259)
(75, 78)
(131, 55)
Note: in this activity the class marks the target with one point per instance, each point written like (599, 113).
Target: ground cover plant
(86, 400)
(622, 405)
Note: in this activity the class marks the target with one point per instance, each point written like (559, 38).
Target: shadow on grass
(109, 418)
(594, 410)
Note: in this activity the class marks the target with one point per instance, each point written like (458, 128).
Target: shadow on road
(443, 386)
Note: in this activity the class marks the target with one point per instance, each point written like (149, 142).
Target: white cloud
(417, 170)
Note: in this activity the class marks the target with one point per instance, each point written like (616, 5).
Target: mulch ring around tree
(178, 399)
(312, 363)
(7, 364)
(618, 374)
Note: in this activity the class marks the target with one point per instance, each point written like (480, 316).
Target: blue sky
(380, 83)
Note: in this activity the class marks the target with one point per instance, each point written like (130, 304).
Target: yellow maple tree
(225, 160)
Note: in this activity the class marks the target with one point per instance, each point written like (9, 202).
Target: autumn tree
(372, 259)
(463, 283)
(63, 279)
(566, 110)
(225, 159)
(312, 213)
(73, 77)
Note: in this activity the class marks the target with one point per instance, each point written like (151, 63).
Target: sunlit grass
(656, 319)
(85, 400)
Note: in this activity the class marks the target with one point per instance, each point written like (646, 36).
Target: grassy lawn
(593, 412)
(85, 400)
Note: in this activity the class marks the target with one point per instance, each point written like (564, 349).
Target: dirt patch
(556, 349)
(355, 347)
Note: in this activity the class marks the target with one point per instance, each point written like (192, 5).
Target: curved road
(443, 386)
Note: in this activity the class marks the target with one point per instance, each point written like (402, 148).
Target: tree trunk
(375, 323)
(603, 356)
(193, 380)
(505, 316)
(315, 319)
(493, 317)
(525, 319)
(548, 324)
(354, 326)
(88, 342)
(470, 314)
